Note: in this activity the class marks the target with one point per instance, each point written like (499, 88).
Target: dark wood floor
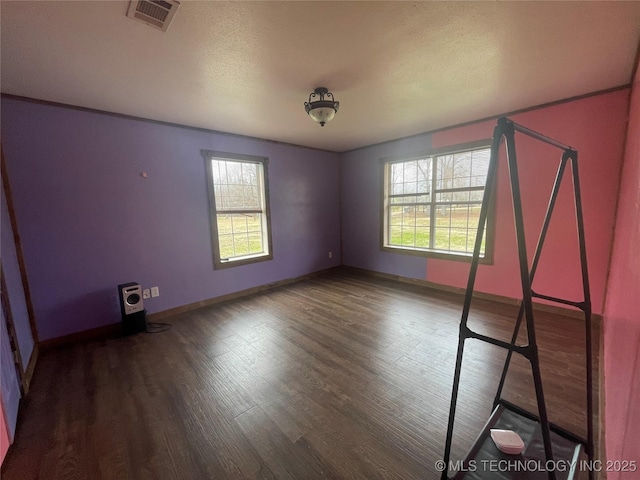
(342, 376)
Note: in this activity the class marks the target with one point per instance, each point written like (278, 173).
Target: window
(239, 206)
(432, 202)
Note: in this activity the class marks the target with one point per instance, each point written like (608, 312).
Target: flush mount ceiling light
(321, 110)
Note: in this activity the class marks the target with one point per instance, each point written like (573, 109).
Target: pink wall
(622, 310)
(595, 126)
(4, 433)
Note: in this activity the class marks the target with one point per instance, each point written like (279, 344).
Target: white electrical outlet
(155, 292)
(330, 254)
(146, 293)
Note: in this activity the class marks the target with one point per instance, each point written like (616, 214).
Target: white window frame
(430, 200)
(262, 209)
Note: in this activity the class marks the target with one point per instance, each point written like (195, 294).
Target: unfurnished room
(340, 240)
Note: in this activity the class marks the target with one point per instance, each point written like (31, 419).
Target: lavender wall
(89, 221)
(361, 183)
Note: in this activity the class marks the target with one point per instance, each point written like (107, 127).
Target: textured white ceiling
(397, 68)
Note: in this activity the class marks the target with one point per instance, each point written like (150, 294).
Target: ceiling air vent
(156, 13)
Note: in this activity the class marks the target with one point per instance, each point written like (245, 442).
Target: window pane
(480, 163)
(474, 215)
(395, 217)
(445, 171)
(241, 244)
(226, 246)
(442, 239)
(235, 201)
(471, 240)
(396, 179)
(239, 223)
(236, 185)
(395, 234)
(474, 218)
(443, 215)
(249, 173)
(219, 171)
(409, 217)
(224, 224)
(459, 216)
(460, 196)
(478, 180)
(423, 215)
(255, 242)
(422, 237)
(424, 175)
(234, 173)
(222, 197)
(240, 234)
(476, 196)
(251, 196)
(410, 177)
(458, 239)
(254, 222)
(408, 237)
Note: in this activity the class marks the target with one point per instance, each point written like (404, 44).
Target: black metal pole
(463, 332)
(534, 265)
(541, 137)
(526, 291)
(587, 305)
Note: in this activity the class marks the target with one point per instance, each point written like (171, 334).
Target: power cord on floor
(157, 327)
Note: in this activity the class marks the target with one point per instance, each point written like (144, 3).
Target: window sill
(246, 260)
(439, 254)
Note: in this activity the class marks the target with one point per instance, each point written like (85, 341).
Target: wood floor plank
(285, 458)
(340, 376)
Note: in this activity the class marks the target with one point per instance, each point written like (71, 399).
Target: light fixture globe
(321, 110)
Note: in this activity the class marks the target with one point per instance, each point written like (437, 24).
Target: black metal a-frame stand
(554, 439)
